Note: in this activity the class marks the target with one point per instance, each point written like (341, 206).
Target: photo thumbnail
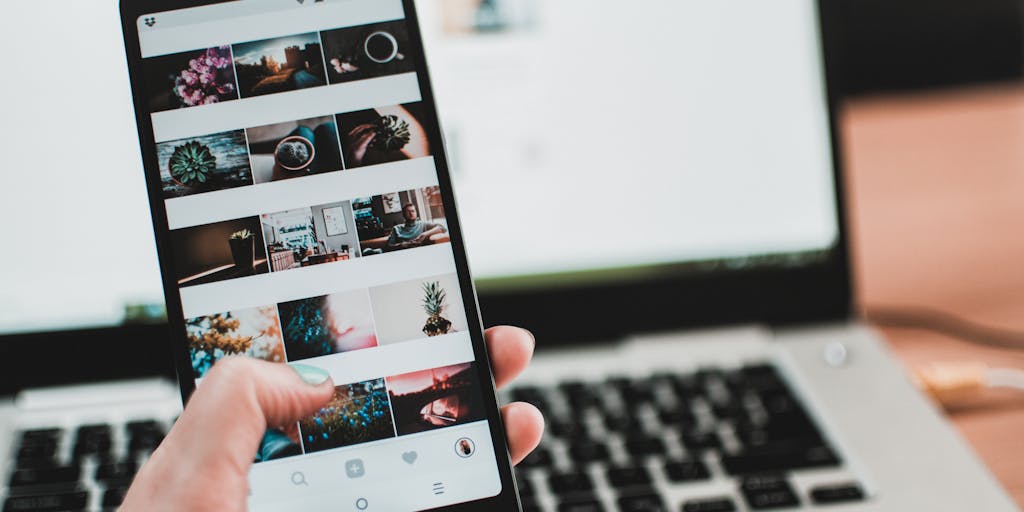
(279, 443)
(278, 65)
(190, 79)
(367, 51)
(416, 309)
(310, 236)
(357, 413)
(384, 134)
(438, 398)
(331, 324)
(204, 164)
(254, 332)
(400, 220)
(219, 251)
(294, 149)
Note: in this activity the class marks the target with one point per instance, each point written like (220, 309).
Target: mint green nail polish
(311, 375)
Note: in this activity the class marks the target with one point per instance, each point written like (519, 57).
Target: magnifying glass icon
(299, 478)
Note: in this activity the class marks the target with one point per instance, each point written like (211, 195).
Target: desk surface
(936, 193)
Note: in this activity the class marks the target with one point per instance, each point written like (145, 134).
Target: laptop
(653, 187)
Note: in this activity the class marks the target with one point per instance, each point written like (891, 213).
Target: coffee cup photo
(382, 47)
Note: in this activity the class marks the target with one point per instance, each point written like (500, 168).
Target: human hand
(204, 462)
(363, 136)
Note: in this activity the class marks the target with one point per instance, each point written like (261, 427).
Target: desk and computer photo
(675, 198)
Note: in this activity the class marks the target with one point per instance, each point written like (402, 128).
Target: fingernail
(311, 374)
(532, 337)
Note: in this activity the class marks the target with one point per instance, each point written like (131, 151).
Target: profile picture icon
(465, 447)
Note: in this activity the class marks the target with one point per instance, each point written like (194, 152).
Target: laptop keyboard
(621, 444)
(60, 469)
(626, 443)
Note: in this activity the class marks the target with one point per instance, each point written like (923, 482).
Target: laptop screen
(588, 140)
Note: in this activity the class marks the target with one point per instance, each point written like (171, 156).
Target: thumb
(225, 420)
(241, 397)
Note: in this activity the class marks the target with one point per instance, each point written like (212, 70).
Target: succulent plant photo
(392, 134)
(192, 163)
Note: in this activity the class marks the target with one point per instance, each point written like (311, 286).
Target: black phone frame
(131, 12)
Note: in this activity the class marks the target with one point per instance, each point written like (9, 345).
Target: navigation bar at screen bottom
(416, 472)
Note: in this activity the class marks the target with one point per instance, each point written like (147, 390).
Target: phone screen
(304, 214)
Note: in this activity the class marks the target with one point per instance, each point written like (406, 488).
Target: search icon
(299, 478)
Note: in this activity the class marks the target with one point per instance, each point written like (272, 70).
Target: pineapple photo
(434, 303)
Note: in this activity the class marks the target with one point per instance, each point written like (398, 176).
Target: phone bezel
(131, 11)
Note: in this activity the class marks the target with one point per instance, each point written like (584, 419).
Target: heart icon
(409, 457)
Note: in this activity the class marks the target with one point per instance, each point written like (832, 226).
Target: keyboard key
(629, 476)
(584, 451)
(76, 500)
(710, 505)
(60, 475)
(113, 496)
(567, 428)
(588, 505)
(533, 395)
(699, 440)
(779, 457)
(43, 433)
(540, 457)
(144, 426)
(622, 422)
(686, 387)
(570, 482)
(93, 440)
(36, 463)
(837, 493)
(707, 375)
(634, 391)
(768, 492)
(639, 445)
(760, 378)
(116, 471)
(686, 471)
(38, 447)
(678, 415)
(642, 503)
(145, 442)
(580, 395)
(36, 450)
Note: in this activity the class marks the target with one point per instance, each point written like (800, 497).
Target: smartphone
(304, 213)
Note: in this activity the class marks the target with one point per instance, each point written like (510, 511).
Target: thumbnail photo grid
(330, 324)
(344, 322)
(282, 64)
(305, 237)
(292, 149)
(386, 408)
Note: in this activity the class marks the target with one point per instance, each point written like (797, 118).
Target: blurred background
(70, 242)
(932, 124)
